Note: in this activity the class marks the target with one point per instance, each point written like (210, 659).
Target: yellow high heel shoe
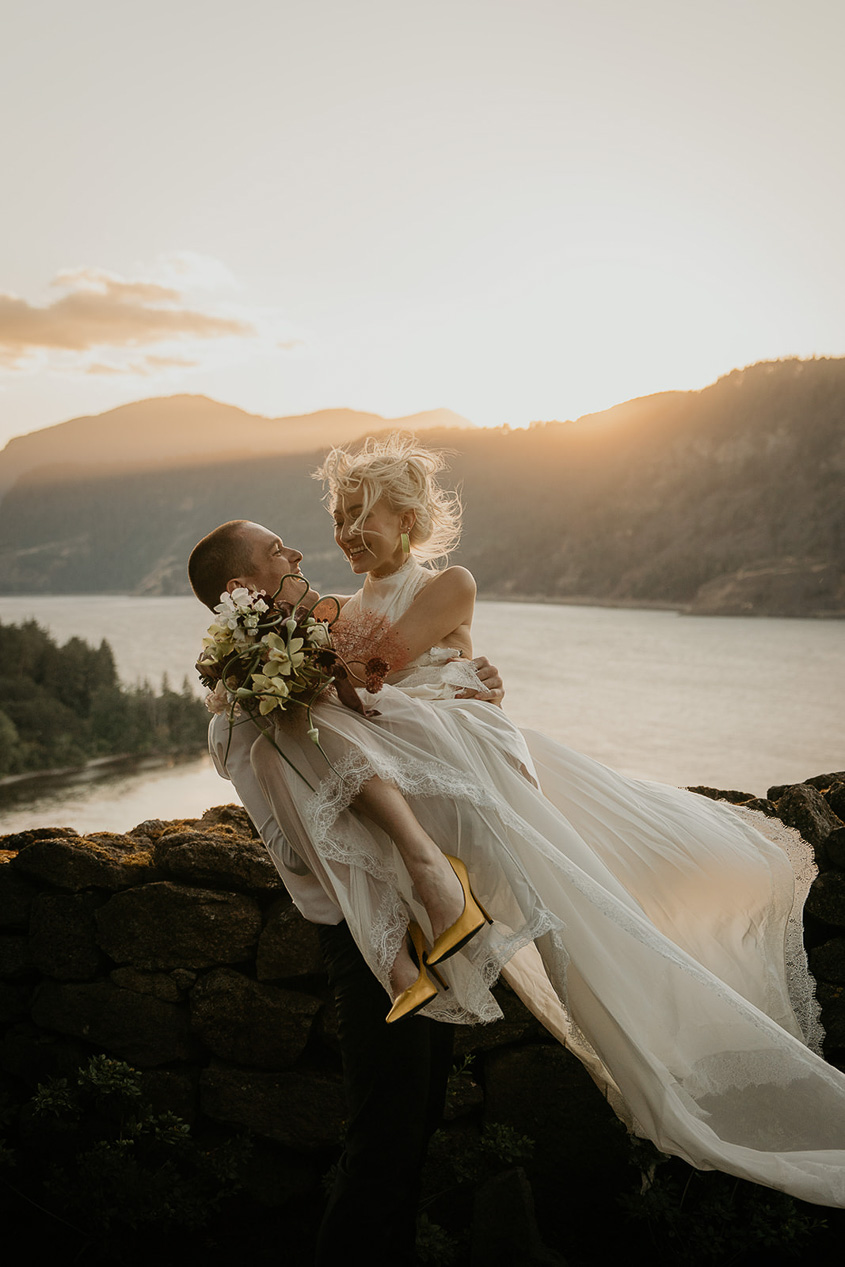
(423, 990)
(471, 921)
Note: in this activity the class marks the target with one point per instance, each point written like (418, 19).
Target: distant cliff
(729, 500)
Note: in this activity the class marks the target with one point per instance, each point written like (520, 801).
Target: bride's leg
(404, 971)
(438, 887)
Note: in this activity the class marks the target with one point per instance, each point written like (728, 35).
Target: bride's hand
(494, 689)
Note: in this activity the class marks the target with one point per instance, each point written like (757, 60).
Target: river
(724, 701)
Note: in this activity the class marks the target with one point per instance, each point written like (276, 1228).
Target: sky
(517, 209)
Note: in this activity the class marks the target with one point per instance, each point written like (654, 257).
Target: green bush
(705, 1218)
(99, 1158)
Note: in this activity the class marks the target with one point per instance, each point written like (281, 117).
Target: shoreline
(651, 604)
(96, 767)
(549, 600)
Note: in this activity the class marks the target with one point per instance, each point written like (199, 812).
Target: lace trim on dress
(431, 779)
(487, 953)
(426, 779)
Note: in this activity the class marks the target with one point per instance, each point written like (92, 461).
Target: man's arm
(230, 754)
(494, 687)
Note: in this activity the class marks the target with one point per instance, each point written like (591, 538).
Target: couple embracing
(438, 845)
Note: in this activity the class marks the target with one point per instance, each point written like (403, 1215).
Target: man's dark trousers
(395, 1082)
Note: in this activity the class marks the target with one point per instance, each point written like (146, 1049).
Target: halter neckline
(387, 594)
(384, 586)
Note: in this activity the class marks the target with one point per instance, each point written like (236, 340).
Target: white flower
(236, 611)
(217, 701)
(318, 634)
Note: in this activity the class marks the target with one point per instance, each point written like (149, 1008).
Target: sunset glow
(519, 211)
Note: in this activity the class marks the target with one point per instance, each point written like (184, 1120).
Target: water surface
(724, 701)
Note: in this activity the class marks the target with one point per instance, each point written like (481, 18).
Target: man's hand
(494, 689)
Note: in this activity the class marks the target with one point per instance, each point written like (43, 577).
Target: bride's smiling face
(375, 545)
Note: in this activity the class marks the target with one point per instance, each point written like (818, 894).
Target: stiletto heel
(471, 921)
(422, 991)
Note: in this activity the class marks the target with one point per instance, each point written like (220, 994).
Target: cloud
(102, 311)
(147, 366)
(169, 363)
(102, 371)
(197, 271)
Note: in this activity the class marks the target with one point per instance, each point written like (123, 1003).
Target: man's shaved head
(224, 554)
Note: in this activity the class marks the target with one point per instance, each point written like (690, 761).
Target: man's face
(272, 560)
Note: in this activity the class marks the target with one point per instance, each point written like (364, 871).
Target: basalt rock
(835, 797)
(542, 1091)
(20, 839)
(221, 857)
(103, 861)
(288, 946)
(827, 962)
(14, 1002)
(824, 781)
(234, 816)
(300, 1110)
(504, 1225)
(135, 1027)
(63, 935)
(721, 794)
(15, 957)
(170, 987)
(174, 948)
(821, 782)
(17, 895)
(826, 899)
(745, 799)
(164, 926)
(517, 1025)
(834, 848)
(832, 999)
(249, 1023)
(763, 805)
(803, 807)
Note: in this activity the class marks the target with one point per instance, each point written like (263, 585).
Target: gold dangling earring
(405, 542)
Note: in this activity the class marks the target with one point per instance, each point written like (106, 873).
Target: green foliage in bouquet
(263, 655)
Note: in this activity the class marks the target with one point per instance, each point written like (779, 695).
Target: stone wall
(175, 948)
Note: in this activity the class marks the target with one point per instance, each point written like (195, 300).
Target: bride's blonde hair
(404, 473)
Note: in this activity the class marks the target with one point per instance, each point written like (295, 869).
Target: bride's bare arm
(440, 615)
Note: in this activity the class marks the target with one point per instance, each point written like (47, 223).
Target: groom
(394, 1075)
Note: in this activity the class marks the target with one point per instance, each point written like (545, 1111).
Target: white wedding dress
(668, 927)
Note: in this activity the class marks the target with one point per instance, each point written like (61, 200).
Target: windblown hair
(404, 473)
(216, 560)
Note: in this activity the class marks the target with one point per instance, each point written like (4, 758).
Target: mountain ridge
(728, 500)
(159, 431)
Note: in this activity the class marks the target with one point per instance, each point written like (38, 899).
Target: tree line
(64, 705)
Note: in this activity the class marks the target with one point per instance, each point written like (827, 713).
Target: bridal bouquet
(261, 655)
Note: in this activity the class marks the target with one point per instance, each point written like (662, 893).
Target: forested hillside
(62, 705)
(731, 499)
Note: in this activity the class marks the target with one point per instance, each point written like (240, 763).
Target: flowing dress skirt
(668, 927)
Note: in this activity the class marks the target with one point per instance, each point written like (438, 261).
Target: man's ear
(237, 582)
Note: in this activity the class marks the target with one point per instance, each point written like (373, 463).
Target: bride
(654, 932)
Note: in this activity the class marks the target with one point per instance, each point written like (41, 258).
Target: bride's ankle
(404, 971)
